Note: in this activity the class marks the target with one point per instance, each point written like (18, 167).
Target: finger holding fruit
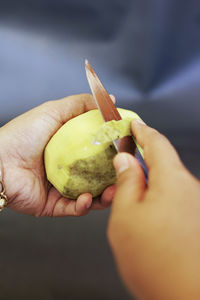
(23, 141)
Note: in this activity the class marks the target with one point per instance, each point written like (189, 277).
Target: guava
(78, 158)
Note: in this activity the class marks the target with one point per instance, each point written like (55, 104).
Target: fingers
(69, 107)
(131, 181)
(108, 195)
(105, 200)
(67, 207)
(58, 206)
(158, 151)
(129, 193)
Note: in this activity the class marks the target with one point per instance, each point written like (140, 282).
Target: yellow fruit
(78, 158)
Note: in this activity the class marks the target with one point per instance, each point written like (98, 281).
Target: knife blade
(107, 109)
(109, 112)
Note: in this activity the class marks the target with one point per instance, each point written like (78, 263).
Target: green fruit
(78, 158)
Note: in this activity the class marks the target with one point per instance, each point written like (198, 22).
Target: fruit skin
(78, 158)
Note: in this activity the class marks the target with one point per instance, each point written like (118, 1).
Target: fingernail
(138, 121)
(121, 163)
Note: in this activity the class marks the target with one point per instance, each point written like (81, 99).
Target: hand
(154, 230)
(21, 155)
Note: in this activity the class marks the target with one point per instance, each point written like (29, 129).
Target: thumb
(131, 180)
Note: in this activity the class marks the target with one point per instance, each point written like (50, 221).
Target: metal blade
(101, 97)
(107, 109)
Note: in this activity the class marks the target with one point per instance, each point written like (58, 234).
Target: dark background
(147, 53)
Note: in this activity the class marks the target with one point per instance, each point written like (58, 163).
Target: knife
(109, 112)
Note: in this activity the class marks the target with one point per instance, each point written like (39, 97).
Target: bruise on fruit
(88, 173)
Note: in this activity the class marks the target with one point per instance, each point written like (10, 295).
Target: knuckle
(77, 97)
(152, 134)
(87, 95)
(47, 104)
(152, 138)
(80, 213)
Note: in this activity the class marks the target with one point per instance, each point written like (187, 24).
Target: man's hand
(23, 141)
(154, 230)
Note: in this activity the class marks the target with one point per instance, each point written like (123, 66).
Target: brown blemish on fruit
(90, 174)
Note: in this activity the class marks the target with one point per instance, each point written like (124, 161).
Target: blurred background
(147, 53)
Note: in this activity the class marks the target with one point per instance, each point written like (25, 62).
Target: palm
(25, 139)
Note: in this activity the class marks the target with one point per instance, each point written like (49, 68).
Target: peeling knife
(109, 112)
